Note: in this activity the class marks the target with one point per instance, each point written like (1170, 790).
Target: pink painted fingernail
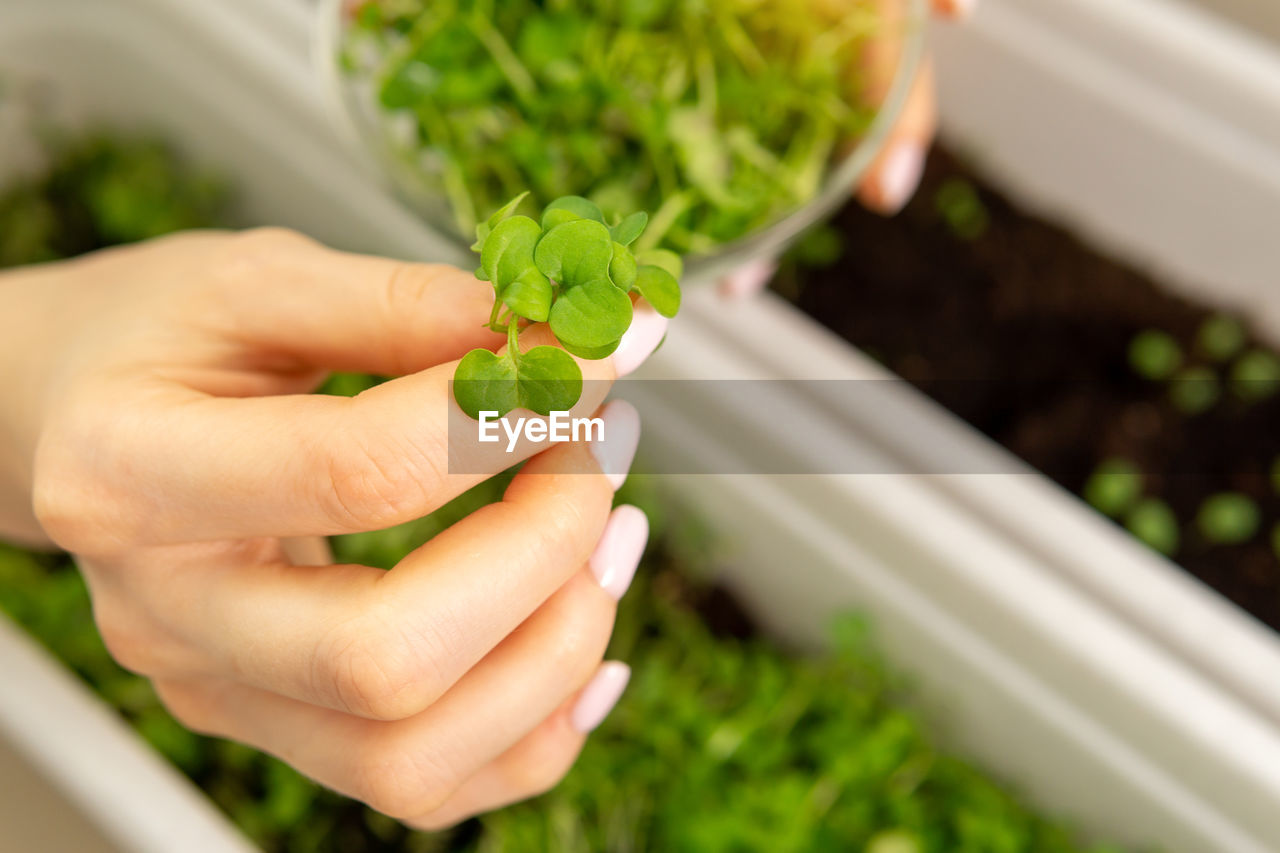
(617, 450)
(748, 279)
(600, 695)
(639, 341)
(618, 552)
(899, 175)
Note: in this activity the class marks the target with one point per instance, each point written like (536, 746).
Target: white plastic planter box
(1039, 667)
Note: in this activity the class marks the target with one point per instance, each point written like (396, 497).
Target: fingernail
(639, 342)
(618, 552)
(899, 176)
(600, 695)
(616, 451)
(748, 279)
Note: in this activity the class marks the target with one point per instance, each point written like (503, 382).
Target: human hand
(158, 424)
(895, 173)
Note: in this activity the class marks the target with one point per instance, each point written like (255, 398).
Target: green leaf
(568, 208)
(506, 210)
(626, 231)
(592, 353)
(545, 379)
(549, 380)
(592, 315)
(485, 382)
(659, 288)
(622, 269)
(529, 296)
(508, 250)
(664, 258)
(575, 252)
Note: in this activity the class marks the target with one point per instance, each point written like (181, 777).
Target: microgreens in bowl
(573, 271)
(720, 116)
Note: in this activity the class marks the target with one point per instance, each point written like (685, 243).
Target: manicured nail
(618, 552)
(621, 435)
(639, 342)
(748, 279)
(600, 695)
(899, 175)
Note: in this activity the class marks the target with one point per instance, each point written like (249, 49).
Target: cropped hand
(158, 427)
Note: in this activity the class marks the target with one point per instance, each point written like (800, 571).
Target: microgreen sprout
(1220, 337)
(1228, 518)
(1113, 487)
(961, 207)
(1152, 522)
(1154, 354)
(718, 116)
(573, 271)
(1194, 390)
(1255, 375)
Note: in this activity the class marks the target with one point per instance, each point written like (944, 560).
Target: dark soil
(1024, 332)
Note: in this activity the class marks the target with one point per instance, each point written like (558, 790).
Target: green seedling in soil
(573, 271)
(1228, 518)
(962, 209)
(1113, 487)
(718, 116)
(1194, 390)
(1220, 337)
(1152, 522)
(1255, 375)
(1154, 354)
(1275, 475)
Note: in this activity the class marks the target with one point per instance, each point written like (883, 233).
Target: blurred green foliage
(101, 190)
(723, 742)
(716, 116)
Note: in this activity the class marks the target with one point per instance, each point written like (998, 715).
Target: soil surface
(1025, 332)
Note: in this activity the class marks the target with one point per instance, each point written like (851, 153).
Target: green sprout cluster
(1223, 356)
(572, 271)
(719, 115)
(1115, 489)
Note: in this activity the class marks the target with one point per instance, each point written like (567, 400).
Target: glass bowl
(353, 59)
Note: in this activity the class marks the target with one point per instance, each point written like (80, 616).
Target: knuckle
(400, 782)
(250, 254)
(372, 486)
(379, 672)
(79, 495)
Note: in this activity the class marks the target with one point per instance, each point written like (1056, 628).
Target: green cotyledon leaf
(575, 253)
(545, 379)
(568, 208)
(529, 296)
(622, 268)
(659, 288)
(592, 315)
(508, 251)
